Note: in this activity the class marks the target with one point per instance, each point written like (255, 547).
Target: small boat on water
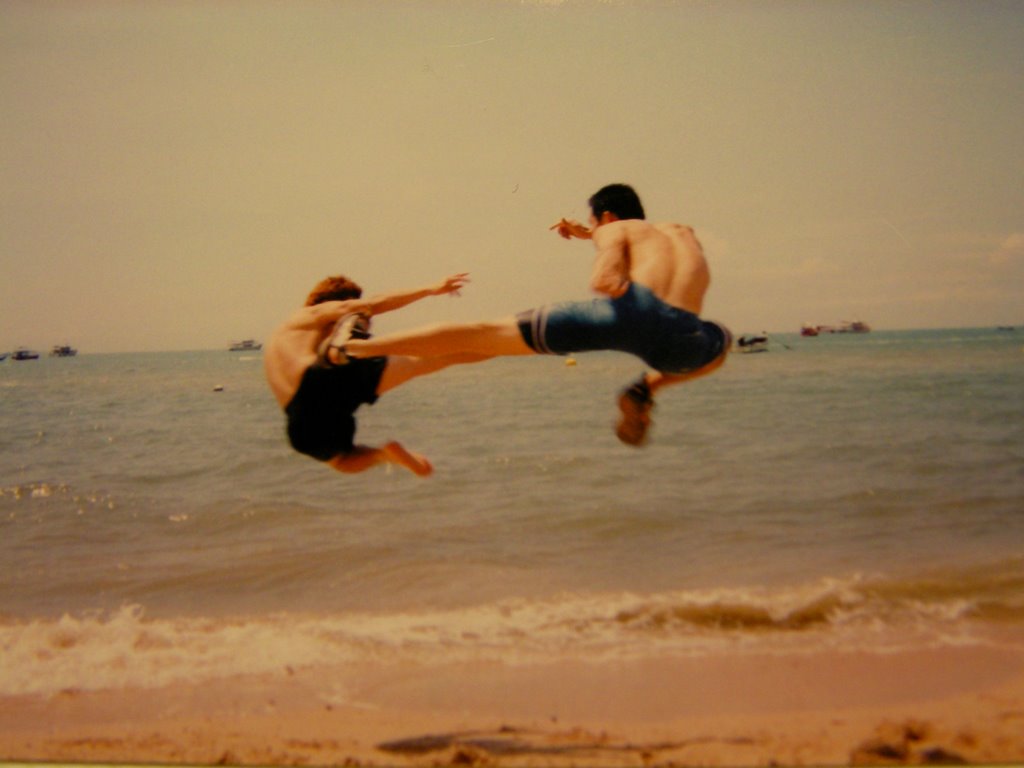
(846, 326)
(246, 345)
(749, 344)
(21, 353)
(853, 326)
(63, 350)
(4, 356)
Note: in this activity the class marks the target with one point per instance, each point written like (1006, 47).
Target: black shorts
(321, 420)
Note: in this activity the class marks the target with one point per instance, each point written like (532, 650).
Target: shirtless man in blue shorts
(320, 396)
(652, 279)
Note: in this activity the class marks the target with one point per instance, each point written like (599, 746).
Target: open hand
(452, 284)
(570, 228)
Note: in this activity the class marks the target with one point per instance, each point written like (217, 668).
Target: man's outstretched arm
(389, 302)
(570, 228)
(327, 312)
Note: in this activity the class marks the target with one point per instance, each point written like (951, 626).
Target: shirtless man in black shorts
(321, 391)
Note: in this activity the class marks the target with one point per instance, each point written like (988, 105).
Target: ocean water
(848, 491)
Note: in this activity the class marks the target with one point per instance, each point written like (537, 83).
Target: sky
(177, 175)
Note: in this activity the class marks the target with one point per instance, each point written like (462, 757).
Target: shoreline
(951, 705)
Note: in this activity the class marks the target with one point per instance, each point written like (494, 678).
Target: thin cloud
(1010, 251)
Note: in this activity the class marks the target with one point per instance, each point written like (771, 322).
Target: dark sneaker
(354, 326)
(636, 403)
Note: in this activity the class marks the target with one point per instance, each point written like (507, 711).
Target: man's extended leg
(399, 370)
(364, 457)
(488, 339)
(402, 368)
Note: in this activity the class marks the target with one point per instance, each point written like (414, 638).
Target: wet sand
(948, 706)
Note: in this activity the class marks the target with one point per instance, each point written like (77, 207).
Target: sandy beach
(949, 706)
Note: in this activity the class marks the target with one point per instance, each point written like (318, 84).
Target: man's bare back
(292, 348)
(665, 257)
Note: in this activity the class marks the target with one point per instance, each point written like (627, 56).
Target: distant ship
(847, 326)
(246, 345)
(63, 350)
(21, 353)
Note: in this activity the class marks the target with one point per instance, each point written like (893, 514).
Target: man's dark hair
(333, 289)
(620, 199)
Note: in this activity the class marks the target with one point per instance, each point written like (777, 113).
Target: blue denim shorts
(668, 339)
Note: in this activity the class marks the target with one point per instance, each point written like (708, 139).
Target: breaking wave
(127, 649)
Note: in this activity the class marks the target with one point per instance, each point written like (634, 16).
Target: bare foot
(414, 462)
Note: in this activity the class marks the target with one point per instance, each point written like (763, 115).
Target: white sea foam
(126, 649)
